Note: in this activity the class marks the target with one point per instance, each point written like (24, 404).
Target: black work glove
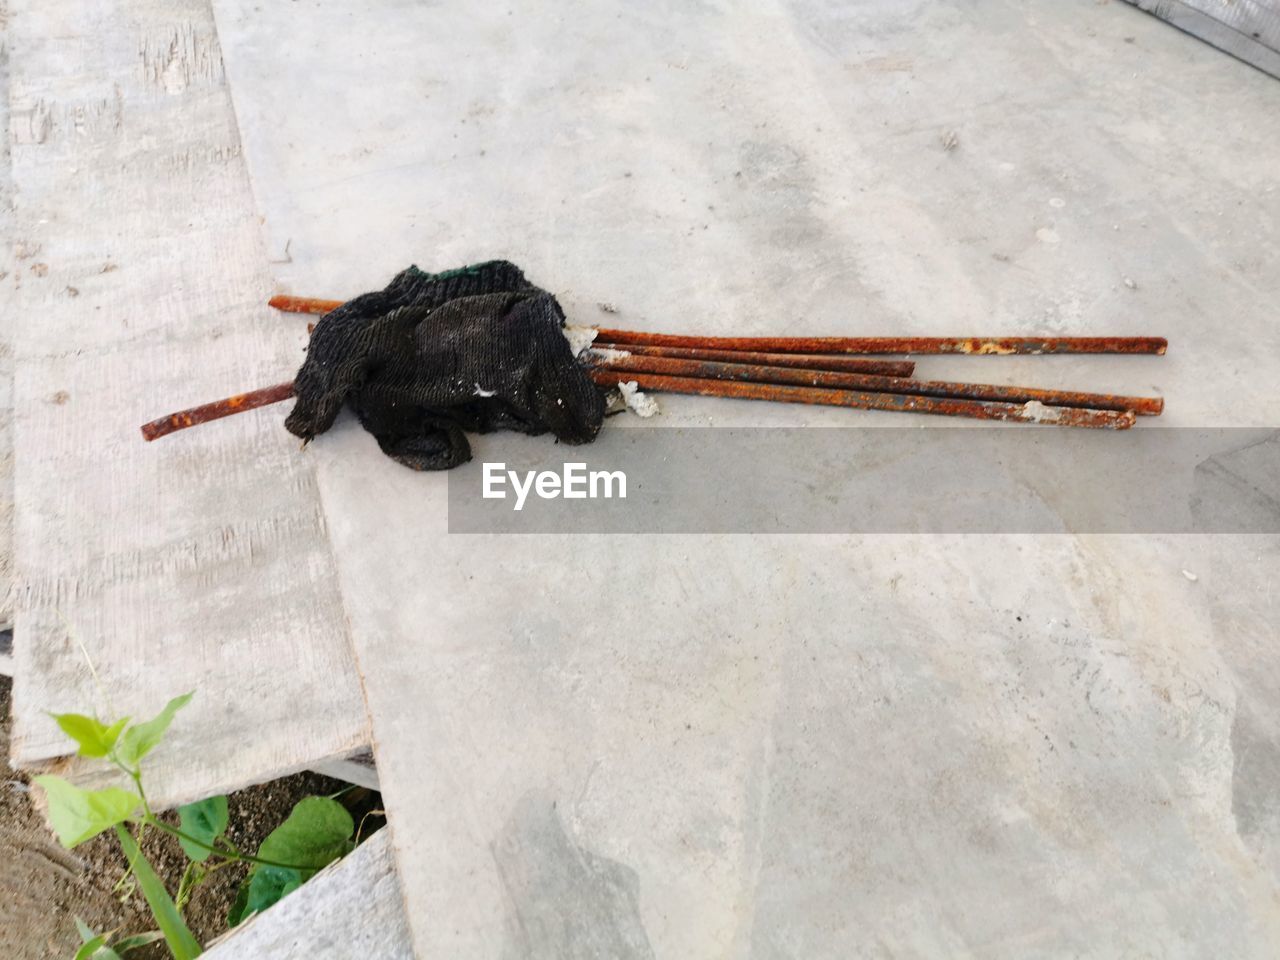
(434, 355)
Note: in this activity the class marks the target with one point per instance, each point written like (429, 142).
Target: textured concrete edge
(214, 774)
(351, 909)
(6, 349)
(358, 768)
(1254, 47)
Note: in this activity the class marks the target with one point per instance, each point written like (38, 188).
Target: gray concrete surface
(9, 280)
(811, 746)
(200, 562)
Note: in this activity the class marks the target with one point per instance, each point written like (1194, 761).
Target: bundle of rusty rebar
(825, 371)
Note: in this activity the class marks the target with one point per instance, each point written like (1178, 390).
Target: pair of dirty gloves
(435, 356)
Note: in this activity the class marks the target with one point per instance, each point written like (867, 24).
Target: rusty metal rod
(217, 410)
(872, 345)
(761, 383)
(753, 373)
(904, 345)
(303, 304)
(865, 400)
(611, 374)
(884, 368)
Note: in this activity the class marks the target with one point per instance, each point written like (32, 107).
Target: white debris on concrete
(1037, 412)
(580, 338)
(638, 402)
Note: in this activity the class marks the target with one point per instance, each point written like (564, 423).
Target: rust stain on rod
(864, 400)
(216, 410)
(837, 345)
(885, 368)
(303, 304)
(787, 385)
(751, 373)
(609, 375)
(905, 345)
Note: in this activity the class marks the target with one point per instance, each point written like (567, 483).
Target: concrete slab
(351, 910)
(8, 283)
(802, 746)
(199, 562)
(1249, 30)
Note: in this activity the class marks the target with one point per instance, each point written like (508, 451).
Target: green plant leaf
(93, 736)
(177, 936)
(94, 947)
(241, 904)
(269, 885)
(205, 821)
(125, 944)
(78, 814)
(317, 832)
(142, 738)
(85, 931)
(263, 887)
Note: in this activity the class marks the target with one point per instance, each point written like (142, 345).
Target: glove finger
(438, 448)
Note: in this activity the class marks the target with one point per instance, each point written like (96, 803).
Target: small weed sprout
(318, 831)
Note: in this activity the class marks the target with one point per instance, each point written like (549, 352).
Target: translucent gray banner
(860, 480)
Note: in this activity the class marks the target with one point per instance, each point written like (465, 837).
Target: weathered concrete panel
(811, 746)
(201, 562)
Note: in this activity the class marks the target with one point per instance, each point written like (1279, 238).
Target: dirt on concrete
(43, 887)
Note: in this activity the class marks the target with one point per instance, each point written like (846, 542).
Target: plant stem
(136, 776)
(213, 868)
(364, 820)
(225, 854)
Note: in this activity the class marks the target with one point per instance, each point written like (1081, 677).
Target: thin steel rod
(884, 368)
(1023, 404)
(822, 361)
(303, 304)
(902, 345)
(217, 410)
(753, 373)
(864, 400)
(855, 345)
